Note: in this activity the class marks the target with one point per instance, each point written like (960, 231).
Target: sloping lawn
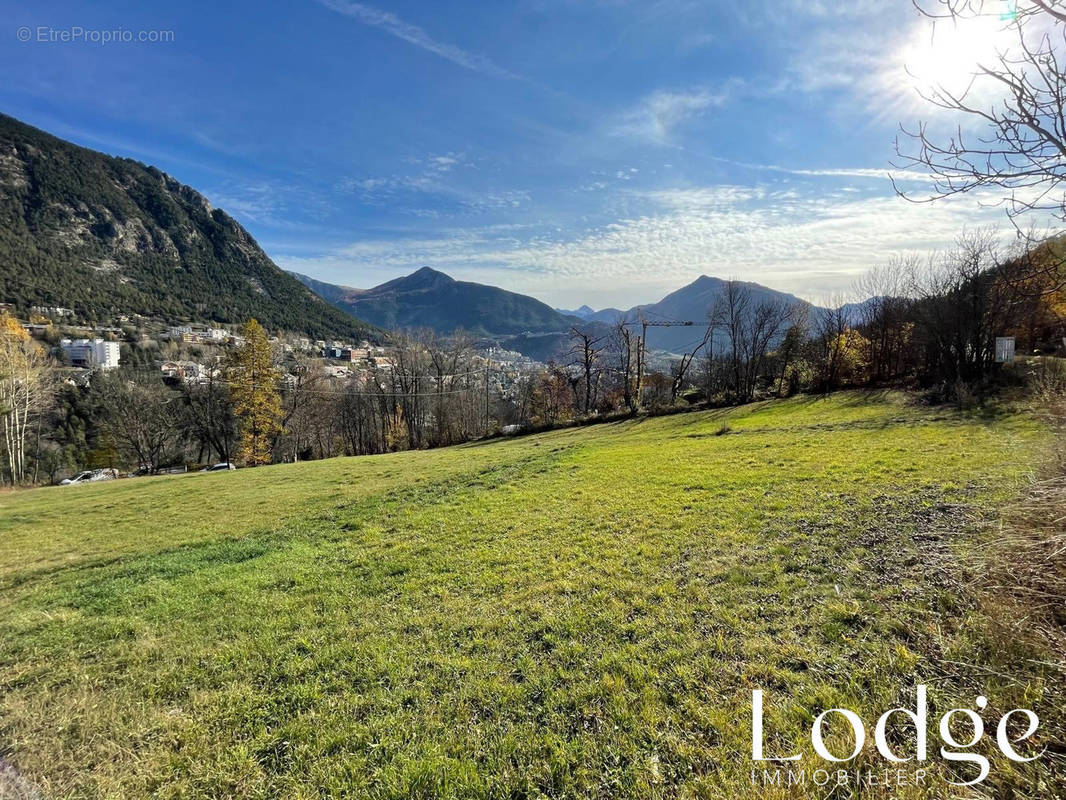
(581, 613)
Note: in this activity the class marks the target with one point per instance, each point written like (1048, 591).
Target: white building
(199, 333)
(91, 353)
(53, 311)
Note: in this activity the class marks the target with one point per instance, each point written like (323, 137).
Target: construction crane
(646, 323)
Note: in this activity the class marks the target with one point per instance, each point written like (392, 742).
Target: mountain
(608, 315)
(693, 303)
(583, 313)
(855, 313)
(108, 236)
(591, 315)
(430, 299)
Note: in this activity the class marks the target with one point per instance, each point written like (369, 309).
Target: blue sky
(582, 151)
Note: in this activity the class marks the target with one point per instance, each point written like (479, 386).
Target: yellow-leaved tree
(253, 380)
(24, 383)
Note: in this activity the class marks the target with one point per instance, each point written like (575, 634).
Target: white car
(91, 476)
(220, 467)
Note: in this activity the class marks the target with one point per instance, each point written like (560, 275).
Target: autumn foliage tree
(23, 391)
(254, 393)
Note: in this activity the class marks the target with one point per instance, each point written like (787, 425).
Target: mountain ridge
(428, 298)
(107, 236)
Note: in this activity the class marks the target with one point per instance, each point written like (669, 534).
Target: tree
(730, 312)
(253, 380)
(451, 365)
(138, 416)
(24, 390)
(363, 410)
(551, 399)
(792, 344)
(1022, 147)
(751, 329)
(680, 367)
(302, 383)
(832, 328)
(408, 380)
(886, 317)
(964, 301)
(209, 416)
(623, 345)
(586, 349)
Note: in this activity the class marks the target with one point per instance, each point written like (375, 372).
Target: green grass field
(581, 613)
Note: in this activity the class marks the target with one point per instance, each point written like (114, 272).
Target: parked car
(220, 467)
(91, 476)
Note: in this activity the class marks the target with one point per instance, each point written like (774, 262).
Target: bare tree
(965, 299)
(363, 409)
(300, 387)
(794, 339)
(764, 327)
(625, 349)
(450, 362)
(209, 417)
(886, 315)
(137, 414)
(1022, 149)
(586, 350)
(681, 366)
(551, 399)
(409, 381)
(751, 329)
(831, 329)
(729, 312)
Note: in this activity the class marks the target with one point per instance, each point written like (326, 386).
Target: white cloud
(428, 179)
(391, 24)
(660, 112)
(876, 173)
(810, 244)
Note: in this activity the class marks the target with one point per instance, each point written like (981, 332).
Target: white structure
(199, 333)
(1004, 349)
(91, 353)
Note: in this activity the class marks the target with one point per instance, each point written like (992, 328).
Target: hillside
(694, 302)
(108, 236)
(430, 299)
(428, 624)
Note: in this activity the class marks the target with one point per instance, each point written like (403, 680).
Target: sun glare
(948, 55)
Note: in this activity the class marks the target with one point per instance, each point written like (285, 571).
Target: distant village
(194, 353)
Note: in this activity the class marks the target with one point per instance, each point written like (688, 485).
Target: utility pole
(486, 398)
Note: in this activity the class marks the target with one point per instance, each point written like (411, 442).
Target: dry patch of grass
(1021, 595)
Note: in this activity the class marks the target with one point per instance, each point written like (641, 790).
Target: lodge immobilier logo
(1007, 736)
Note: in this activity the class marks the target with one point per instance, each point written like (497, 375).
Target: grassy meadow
(580, 613)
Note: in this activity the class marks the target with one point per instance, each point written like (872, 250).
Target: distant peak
(422, 279)
(426, 277)
(427, 272)
(705, 279)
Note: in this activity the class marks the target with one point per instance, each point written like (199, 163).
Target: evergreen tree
(254, 392)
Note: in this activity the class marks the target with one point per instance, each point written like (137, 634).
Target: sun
(947, 56)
